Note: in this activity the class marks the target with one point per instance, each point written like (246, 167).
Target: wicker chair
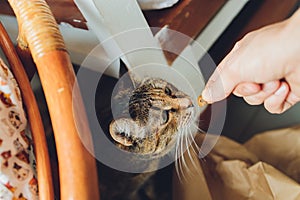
(39, 35)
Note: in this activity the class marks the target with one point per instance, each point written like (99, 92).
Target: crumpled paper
(266, 167)
(279, 148)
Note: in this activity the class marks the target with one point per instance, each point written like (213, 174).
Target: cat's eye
(165, 116)
(168, 91)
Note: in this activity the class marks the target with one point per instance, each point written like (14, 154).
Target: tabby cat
(158, 121)
(157, 111)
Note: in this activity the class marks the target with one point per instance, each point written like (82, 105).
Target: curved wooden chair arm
(39, 32)
(34, 118)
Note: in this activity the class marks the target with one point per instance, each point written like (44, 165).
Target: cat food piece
(201, 101)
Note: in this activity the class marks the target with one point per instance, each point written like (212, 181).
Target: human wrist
(290, 34)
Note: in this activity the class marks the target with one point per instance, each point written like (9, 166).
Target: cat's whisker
(197, 127)
(183, 167)
(178, 165)
(180, 170)
(190, 145)
(196, 150)
(192, 139)
(191, 135)
(196, 147)
(177, 145)
(182, 151)
(181, 173)
(200, 153)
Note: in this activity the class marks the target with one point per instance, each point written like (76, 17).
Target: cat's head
(157, 111)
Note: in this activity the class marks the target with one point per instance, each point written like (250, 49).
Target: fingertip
(276, 103)
(222, 82)
(215, 93)
(282, 90)
(206, 95)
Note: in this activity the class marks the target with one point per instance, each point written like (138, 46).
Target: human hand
(263, 67)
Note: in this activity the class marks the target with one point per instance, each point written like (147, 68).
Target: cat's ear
(135, 78)
(122, 129)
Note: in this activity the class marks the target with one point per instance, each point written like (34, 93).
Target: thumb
(221, 83)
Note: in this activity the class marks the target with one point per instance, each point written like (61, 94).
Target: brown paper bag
(189, 182)
(260, 181)
(279, 148)
(233, 172)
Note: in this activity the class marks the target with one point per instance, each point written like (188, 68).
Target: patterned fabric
(17, 174)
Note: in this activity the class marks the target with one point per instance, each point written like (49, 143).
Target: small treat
(201, 101)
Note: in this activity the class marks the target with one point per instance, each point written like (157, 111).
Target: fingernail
(281, 90)
(206, 95)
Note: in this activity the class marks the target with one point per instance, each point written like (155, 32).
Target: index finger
(222, 82)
